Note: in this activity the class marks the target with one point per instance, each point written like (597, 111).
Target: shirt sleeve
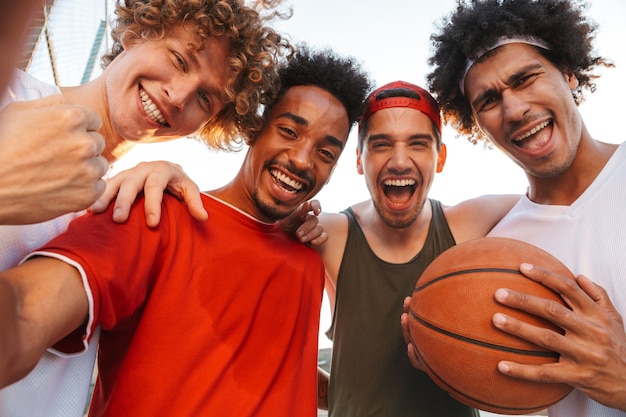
(115, 262)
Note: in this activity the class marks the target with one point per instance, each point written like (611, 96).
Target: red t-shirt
(215, 318)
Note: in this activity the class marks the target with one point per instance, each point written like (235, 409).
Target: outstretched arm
(153, 178)
(593, 348)
(41, 301)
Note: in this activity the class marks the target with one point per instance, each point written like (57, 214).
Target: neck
(238, 195)
(92, 95)
(566, 187)
(394, 245)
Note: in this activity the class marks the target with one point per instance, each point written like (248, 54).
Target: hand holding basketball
(450, 323)
(592, 349)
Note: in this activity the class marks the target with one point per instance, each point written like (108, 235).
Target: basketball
(450, 323)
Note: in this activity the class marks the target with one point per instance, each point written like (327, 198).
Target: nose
(180, 91)
(514, 105)
(301, 155)
(400, 159)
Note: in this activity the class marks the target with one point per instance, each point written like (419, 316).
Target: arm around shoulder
(41, 301)
(474, 218)
(336, 226)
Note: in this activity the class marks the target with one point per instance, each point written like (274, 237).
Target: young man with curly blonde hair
(177, 68)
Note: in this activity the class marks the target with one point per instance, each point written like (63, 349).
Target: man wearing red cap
(376, 249)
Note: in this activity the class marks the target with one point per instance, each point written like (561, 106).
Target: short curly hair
(256, 50)
(343, 77)
(475, 24)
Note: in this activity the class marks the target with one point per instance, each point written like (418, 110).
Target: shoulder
(336, 225)
(491, 203)
(474, 218)
(333, 222)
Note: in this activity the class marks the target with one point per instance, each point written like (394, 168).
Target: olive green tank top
(370, 372)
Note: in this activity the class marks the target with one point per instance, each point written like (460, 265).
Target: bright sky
(392, 41)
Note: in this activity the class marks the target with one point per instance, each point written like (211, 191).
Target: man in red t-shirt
(199, 318)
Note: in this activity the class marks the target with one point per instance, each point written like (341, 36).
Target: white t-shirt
(59, 385)
(589, 237)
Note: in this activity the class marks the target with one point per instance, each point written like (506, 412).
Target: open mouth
(524, 140)
(399, 191)
(288, 184)
(151, 109)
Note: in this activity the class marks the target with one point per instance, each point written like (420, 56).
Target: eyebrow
(297, 119)
(428, 136)
(333, 141)
(192, 50)
(512, 78)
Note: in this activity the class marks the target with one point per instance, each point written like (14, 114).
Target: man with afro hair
(513, 72)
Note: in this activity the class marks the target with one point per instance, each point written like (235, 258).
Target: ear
(441, 159)
(571, 80)
(359, 167)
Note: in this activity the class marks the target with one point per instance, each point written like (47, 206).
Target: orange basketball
(450, 323)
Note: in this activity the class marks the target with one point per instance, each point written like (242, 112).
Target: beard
(271, 211)
(267, 207)
(399, 222)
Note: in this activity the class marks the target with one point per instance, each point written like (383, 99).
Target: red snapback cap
(401, 94)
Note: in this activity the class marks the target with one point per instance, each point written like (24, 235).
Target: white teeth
(283, 178)
(151, 108)
(532, 131)
(399, 183)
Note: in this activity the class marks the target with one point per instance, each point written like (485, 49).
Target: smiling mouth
(151, 109)
(288, 184)
(532, 131)
(399, 191)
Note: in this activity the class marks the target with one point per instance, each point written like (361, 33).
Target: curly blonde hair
(256, 50)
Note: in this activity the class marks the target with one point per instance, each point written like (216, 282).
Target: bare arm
(473, 219)
(41, 302)
(14, 18)
(336, 225)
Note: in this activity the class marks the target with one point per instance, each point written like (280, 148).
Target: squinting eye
(524, 79)
(486, 104)
(180, 61)
(206, 103)
(328, 155)
(288, 131)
